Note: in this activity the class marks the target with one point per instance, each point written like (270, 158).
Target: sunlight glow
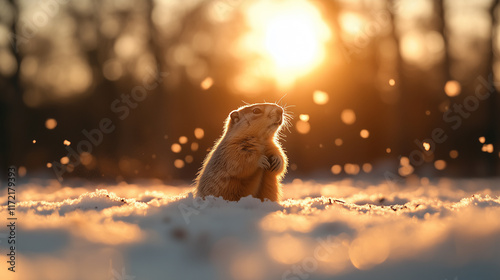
(320, 97)
(351, 23)
(286, 249)
(289, 34)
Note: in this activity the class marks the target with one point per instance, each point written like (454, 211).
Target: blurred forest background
(123, 89)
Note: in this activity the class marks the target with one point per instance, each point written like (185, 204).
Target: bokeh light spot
(302, 127)
(179, 163)
(453, 154)
(183, 139)
(86, 159)
(194, 146)
(50, 123)
(112, 70)
(487, 148)
(21, 171)
(9, 64)
(348, 116)
(127, 46)
(199, 133)
(367, 167)
(452, 88)
(339, 142)
(64, 160)
(176, 148)
(336, 169)
(369, 250)
(427, 146)
(440, 164)
(320, 97)
(364, 133)
(207, 83)
(351, 169)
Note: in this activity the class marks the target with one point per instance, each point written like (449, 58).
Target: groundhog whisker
(279, 101)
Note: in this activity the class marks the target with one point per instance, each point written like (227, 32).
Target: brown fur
(247, 159)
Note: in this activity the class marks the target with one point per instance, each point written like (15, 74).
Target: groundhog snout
(280, 111)
(278, 114)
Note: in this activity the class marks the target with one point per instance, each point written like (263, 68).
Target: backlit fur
(247, 159)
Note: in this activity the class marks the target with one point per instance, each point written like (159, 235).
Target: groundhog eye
(257, 111)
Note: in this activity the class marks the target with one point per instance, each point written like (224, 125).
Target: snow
(442, 229)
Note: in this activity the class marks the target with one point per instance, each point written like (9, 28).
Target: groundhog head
(261, 119)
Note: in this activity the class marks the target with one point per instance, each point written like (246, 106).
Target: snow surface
(445, 229)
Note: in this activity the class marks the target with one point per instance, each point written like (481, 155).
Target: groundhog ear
(235, 116)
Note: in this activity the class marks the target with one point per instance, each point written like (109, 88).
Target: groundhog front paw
(264, 163)
(276, 163)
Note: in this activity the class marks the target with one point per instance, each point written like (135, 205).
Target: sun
(291, 41)
(290, 35)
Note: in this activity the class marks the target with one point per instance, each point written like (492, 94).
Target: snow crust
(445, 229)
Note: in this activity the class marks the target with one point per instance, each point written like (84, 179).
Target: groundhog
(247, 159)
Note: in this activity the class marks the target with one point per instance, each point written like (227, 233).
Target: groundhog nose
(279, 114)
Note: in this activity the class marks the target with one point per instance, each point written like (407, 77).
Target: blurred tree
(366, 69)
(493, 125)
